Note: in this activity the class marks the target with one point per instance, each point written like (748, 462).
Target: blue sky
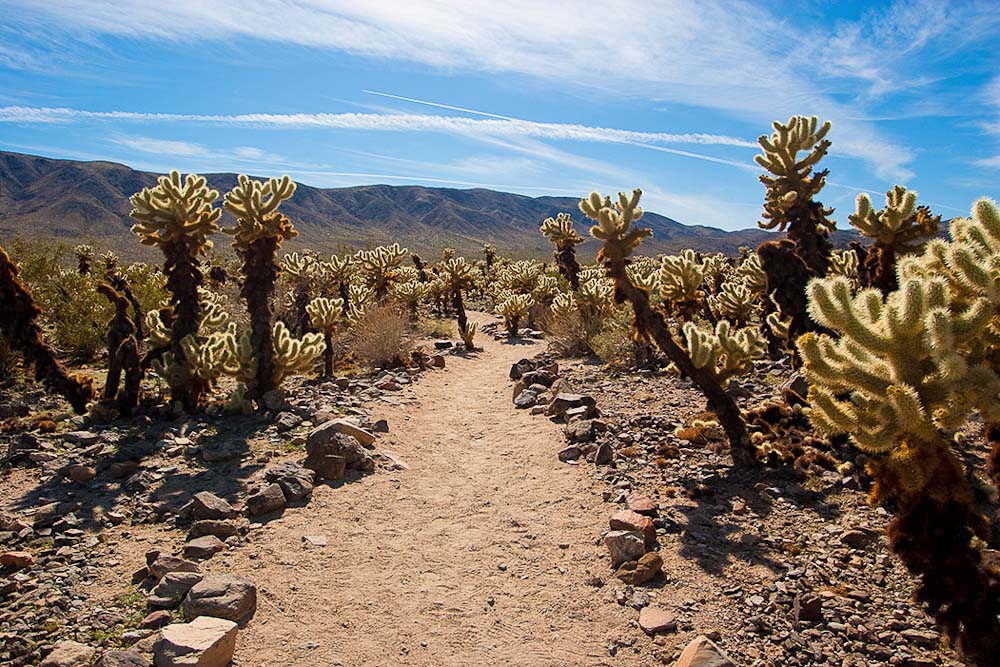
(538, 98)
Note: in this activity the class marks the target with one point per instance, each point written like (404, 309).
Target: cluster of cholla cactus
(21, 330)
(459, 275)
(380, 267)
(789, 204)
(177, 216)
(900, 228)
(560, 231)
(904, 373)
(719, 353)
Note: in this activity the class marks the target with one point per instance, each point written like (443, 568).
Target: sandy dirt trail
(477, 554)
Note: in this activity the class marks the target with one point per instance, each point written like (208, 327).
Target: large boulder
(295, 481)
(269, 499)
(223, 596)
(702, 652)
(69, 654)
(204, 642)
(172, 589)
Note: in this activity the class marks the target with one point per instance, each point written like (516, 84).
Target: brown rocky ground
(471, 543)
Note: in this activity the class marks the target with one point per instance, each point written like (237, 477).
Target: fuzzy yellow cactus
(725, 352)
(410, 293)
(560, 231)
(752, 275)
(680, 283)
(326, 315)
(615, 224)
(905, 371)
(735, 302)
(512, 309)
(380, 267)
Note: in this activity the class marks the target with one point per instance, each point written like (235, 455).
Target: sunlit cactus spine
(900, 228)
(735, 302)
(560, 231)
(680, 283)
(177, 217)
(326, 315)
(257, 236)
(379, 267)
(84, 258)
(617, 229)
(21, 330)
(903, 372)
(301, 271)
(294, 355)
(410, 293)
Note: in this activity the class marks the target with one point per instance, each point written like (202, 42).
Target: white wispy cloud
(731, 56)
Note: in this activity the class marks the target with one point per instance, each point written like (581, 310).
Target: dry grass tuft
(380, 336)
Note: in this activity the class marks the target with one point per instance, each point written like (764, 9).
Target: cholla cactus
(900, 228)
(19, 327)
(564, 305)
(616, 228)
(724, 352)
(326, 315)
(178, 217)
(84, 258)
(680, 284)
(260, 228)
(302, 272)
(560, 231)
(735, 302)
(410, 293)
(752, 275)
(447, 254)
(714, 269)
(489, 255)
(468, 335)
(644, 272)
(596, 298)
(845, 263)
(123, 353)
(380, 265)
(294, 355)
(459, 275)
(907, 370)
(512, 309)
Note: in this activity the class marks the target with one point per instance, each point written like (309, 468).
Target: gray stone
(205, 546)
(563, 401)
(323, 431)
(84, 438)
(172, 588)
(129, 658)
(570, 453)
(330, 442)
(269, 499)
(207, 505)
(625, 545)
(525, 399)
(204, 642)
(224, 596)
(295, 481)
(69, 654)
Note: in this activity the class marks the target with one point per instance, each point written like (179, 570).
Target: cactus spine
(178, 217)
(620, 235)
(560, 231)
(260, 228)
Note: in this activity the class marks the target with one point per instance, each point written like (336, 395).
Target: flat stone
(169, 592)
(17, 560)
(654, 620)
(525, 399)
(629, 520)
(639, 572)
(564, 401)
(625, 545)
(570, 453)
(218, 527)
(204, 642)
(641, 503)
(206, 505)
(85, 438)
(156, 620)
(163, 565)
(323, 444)
(123, 469)
(346, 427)
(205, 546)
(129, 658)
(223, 596)
(316, 540)
(269, 499)
(69, 654)
(702, 652)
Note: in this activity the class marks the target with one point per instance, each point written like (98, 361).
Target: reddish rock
(629, 520)
(639, 572)
(654, 620)
(17, 560)
(624, 545)
(642, 504)
(702, 652)
(81, 473)
(156, 620)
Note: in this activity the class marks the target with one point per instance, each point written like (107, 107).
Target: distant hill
(43, 198)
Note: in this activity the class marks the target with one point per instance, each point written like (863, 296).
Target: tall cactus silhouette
(260, 228)
(177, 217)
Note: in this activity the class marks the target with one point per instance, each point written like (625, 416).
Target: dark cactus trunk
(880, 268)
(123, 354)
(183, 279)
(260, 267)
(565, 258)
(328, 354)
(459, 306)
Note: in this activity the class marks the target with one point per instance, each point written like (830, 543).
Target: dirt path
(476, 555)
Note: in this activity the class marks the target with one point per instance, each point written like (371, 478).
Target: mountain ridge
(76, 201)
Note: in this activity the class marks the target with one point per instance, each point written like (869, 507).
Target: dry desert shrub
(379, 336)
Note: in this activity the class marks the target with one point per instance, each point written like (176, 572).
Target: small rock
(641, 504)
(163, 565)
(525, 399)
(129, 658)
(295, 481)
(807, 607)
(570, 453)
(629, 520)
(219, 528)
(172, 588)
(224, 596)
(605, 454)
(269, 499)
(639, 572)
(204, 642)
(81, 473)
(702, 652)
(325, 442)
(204, 547)
(625, 545)
(84, 438)
(17, 560)
(207, 505)
(315, 540)
(654, 620)
(69, 654)
(156, 620)
(343, 426)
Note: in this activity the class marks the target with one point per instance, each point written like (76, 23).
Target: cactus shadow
(716, 538)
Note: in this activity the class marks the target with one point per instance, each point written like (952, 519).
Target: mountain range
(76, 202)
